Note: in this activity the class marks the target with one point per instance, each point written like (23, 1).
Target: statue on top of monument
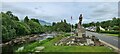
(80, 29)
(80, 19)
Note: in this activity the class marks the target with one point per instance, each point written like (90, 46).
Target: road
(109, 39)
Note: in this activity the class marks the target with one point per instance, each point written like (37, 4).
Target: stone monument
(80, 28)
(80, 39)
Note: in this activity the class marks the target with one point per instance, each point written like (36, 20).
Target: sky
(57, 11)
(59, 0)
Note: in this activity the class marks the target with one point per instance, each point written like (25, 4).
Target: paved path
(109, 39)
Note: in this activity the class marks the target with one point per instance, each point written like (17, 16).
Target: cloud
(105, 11)
(60, 0)
(56, 11)
(17, 10)
(119, 9)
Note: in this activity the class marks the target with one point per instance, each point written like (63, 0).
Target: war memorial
(80, 39)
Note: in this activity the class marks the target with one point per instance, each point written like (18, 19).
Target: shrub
(110, 32)
(119, 34)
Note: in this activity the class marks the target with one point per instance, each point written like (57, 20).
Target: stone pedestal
(79, 33)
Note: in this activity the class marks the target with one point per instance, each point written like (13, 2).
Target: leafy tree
(26, 19)
(21, 29)
(9, 13)
(8, 25)
(61, 21)
(97, 23)
(12, 27)
(86, 25)
(35, 20)
(97, 29)
(35, 27)
(62, 26)
(11, 16)
(64, 21)
(92, 24)
(76, 25)
(53, 23)
(4, 33)
(48, 29)
(116, 28)
(15, 18)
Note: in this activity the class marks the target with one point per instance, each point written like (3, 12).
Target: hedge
(110, 32)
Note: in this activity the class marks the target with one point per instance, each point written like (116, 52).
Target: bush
(119, 34)
(110, 32)
(97, 29)
(116, 28)
(66, 34)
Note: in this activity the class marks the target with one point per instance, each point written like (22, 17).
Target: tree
(35, 20)
(11, 16)
(97, 29)
(15, 18)
(86, 25)
(92, 24)
(62, 26)
(61, 21)
(76, 25)
(53, 23)
(97, 24)
(26, 19)
(8, 25)
(21, 29)
(116, 28)
(118, 21)
(35, 27)
(4, 34)
(64, 21)
(9, 13)
(12, 27)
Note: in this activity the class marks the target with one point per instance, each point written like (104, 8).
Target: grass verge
(49, 47)
(113, 35)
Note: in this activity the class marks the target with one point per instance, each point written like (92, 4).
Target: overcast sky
(56, 11)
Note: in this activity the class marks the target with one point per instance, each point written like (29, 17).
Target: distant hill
(42, 22)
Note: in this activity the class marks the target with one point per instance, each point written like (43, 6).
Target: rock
(10, 42)
(55, 44)
(32, 38)
(90, 42)
(37, 51)
(81, 44)
(39, 48)
(20, 49)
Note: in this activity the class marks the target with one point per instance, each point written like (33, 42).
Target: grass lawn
(49, 47)
(112, 34)
(76, 49)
